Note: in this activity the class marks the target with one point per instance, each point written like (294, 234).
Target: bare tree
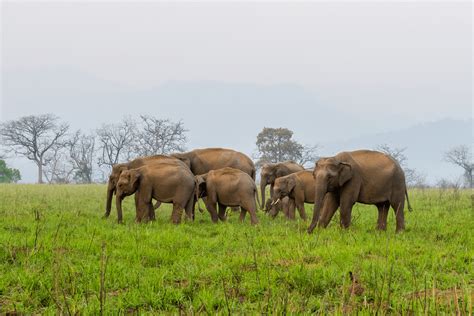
(160, 136)
(462, 156)
(116, 142)
(34, 137)
(308, 155)
(277, 144)
(58, 168)
(81, 154)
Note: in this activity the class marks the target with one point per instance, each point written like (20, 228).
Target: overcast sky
(393, 63)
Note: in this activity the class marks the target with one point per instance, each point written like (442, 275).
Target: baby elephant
(228, 187)
(166, 182)
(299, 187)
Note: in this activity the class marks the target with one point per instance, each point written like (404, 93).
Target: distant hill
(228, 114)
(425, 145)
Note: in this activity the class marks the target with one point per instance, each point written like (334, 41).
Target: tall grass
(58, 255)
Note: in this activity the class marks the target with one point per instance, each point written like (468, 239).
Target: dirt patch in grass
(285, 262)
(181, 283)
(443, 296)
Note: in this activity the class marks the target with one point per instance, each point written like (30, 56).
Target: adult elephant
(270, 172)
(166, 182)
(117, 169)
(363, 176)
(201, 161)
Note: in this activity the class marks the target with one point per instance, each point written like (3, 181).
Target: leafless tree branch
(34, 137)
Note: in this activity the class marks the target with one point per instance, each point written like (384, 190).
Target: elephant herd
(226, 178)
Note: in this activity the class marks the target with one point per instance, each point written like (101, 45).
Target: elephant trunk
(110, 193)
(118, 202)
(263, 184)
(321, 190)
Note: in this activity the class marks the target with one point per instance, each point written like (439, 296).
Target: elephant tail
(408, 201)
(258, 199)
(254, 174)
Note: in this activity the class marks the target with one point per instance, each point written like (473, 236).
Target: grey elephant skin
(167, 182)
(269, 173)
(228, 187)
(299, 187)
(136, 163)
(363, 176)
(201, 161)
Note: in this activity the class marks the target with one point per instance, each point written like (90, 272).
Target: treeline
(64, 155)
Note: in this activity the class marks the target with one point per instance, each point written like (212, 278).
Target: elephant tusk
(275, 202)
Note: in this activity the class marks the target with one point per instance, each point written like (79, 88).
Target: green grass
(55, 249)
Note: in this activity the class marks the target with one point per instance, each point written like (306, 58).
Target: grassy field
(58, 255)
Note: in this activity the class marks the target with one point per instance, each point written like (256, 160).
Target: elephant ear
(291, 184)
(134, 178)
(345, 173)
(281, 171)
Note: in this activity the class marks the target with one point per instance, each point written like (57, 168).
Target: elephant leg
(398, 207)
(211, 207)
(151, 210)
(177, 213)
(253, 215)
(189, 208)
(150, 213)
(285, 209)
(291, 209)
(222, 209)
(243, 212)
(346, 213)
(383, 212)
(301, 210)
(142, 209)
(329, 207)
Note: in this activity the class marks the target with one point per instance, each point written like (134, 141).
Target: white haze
(332, 72)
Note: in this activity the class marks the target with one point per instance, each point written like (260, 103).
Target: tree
(276, 145)
(159, 136)
(81, 154)
(462, 156)
(34, 137)
(58, 168)
(116, 142)
(8, 175)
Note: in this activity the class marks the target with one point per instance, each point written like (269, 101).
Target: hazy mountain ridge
(425, 145)
(229, 114)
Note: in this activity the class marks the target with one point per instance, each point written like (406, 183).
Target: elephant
(228, 187)
(166, 182)
(117, 169)
(270, 172)
(364, 176)
(299, 188)
(201, 161)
